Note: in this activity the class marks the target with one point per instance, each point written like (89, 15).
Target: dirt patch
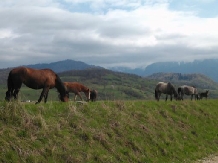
(211, 159)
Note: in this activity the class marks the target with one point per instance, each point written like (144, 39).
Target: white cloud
(133, 33)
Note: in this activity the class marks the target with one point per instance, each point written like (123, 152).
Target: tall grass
(108, 131)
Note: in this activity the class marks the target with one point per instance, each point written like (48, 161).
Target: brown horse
(188, 90)
(93, 95)
(76, 88)
(36, 79)
(165, 88)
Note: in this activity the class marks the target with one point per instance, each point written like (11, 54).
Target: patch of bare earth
(211, 159)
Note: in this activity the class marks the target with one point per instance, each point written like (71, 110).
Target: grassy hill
(108, 131)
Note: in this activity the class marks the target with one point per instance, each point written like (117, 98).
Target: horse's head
(87, 93)
(64, 97)
(93, 95)
(178, 97)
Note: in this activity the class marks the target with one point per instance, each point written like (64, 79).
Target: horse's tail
(179, 90)
(156, 95)
(10, 87)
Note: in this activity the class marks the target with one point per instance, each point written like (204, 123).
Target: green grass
(108, 131)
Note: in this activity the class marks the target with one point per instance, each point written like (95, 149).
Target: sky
(107, 33)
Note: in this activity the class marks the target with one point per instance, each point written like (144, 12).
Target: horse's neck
(60, 85)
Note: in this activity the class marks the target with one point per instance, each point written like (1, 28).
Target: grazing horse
(204, 94)
(76, 88)
(93, 95)
(36, 79)
(165, 88)
(187, 90)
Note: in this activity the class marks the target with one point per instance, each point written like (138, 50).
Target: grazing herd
(47, 79)
(169, 89)
(44, 79)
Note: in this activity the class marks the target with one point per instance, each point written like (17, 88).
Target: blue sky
(202, 8)
(108, 33)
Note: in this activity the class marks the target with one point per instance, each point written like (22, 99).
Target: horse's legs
(16, 89)
(80, 96)
(166, 97)
(9, 94)
(171, 97)
(196, 96)
(15, 94)
(46, 96)
(75, 97)
(191, 96)
(44, 91)
(182, 96)
(158, 96)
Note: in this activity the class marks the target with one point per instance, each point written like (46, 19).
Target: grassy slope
(108, 131)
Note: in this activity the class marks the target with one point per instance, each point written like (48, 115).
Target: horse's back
(188, 89)
(33, 78)
(74, 86)
(161, 87)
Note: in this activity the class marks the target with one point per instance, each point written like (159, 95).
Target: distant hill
(208, 67)
(62, 66)
(116, 85)
(57, 67)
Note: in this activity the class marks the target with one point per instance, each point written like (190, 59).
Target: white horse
(188, 90)
(165, 88)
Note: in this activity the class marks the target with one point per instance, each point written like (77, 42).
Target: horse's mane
(174, 90)
(60, 85)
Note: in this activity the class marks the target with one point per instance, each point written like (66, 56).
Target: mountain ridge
(207, 67)
(64, 65)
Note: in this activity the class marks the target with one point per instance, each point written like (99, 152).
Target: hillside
(109, 131)
(115, 85)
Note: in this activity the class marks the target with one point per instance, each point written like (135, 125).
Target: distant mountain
(62, 66)
(136, 71)
(208, 67)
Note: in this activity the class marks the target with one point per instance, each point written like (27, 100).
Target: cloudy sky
(108, 33)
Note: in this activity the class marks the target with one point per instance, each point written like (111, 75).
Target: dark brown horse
(93, 95)
(76, 88)
(36, 79)
(204, 94)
